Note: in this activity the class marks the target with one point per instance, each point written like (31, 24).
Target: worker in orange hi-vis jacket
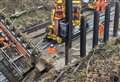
(101, 31)
(52, 49)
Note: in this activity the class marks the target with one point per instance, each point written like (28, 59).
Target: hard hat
(51, 45)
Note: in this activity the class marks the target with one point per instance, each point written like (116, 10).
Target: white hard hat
(51, 45)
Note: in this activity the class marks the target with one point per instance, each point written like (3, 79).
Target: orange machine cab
(101, 5)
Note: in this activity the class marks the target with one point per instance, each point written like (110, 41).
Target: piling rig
(58, 28)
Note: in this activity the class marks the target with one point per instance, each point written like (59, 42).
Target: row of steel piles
(106, 24)
(68, 42)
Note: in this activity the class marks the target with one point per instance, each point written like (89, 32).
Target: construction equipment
(58, 28)
(99, 5)
(56, 31)
(57, 14)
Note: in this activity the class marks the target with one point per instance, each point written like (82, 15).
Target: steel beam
(68, 41)
(107, 24)
(95, 28)
(82, 37)
(116, 19)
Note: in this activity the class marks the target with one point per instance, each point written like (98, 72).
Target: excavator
(57, 30)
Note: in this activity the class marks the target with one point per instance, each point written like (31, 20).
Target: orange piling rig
(100, 5)
(20, 49)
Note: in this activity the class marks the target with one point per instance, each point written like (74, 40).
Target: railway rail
(36, 27)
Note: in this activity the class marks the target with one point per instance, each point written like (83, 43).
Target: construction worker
(52, 49)
(101, 31)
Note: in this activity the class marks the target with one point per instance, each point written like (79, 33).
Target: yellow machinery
(57, 14)
(54, 31)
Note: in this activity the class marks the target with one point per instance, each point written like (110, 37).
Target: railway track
(17, 54)
(36, 27)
